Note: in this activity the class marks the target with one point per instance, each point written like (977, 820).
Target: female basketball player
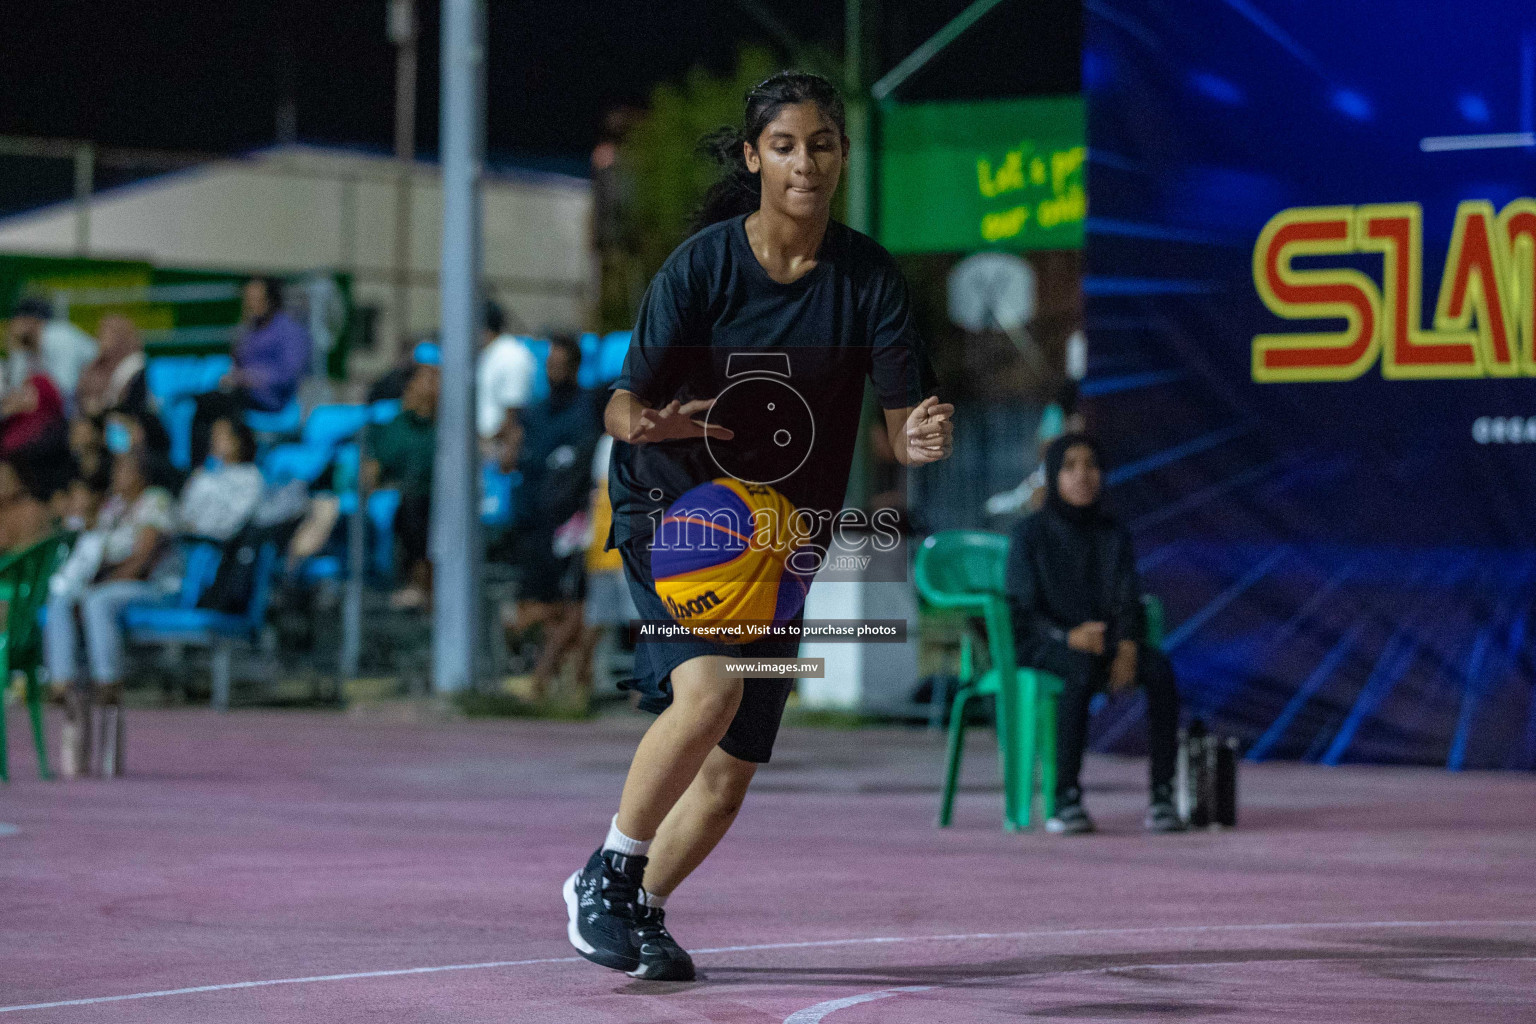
(769, 272)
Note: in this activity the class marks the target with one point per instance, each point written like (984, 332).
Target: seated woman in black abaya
(1077, 613)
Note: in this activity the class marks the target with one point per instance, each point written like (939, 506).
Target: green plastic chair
(24, 590)
(966, 569)
(1048, 687)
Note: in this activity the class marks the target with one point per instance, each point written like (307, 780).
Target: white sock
(650, 899)
(618, 842)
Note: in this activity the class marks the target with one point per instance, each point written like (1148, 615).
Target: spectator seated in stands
(270, 356)
(144, 433)
(39, 343)
(221, 495)
(115, 379)
(88, 455)
(401, 454)
(504, 385)
(558, 437)
(25, 517)
(32, 424)
(390, 385)
(127, 558)
(1077, 613)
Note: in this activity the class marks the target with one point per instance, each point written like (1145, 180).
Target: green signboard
(1003, 174)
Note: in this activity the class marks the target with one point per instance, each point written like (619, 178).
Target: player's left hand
(930, 432)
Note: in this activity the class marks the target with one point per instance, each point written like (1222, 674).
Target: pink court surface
(270, 866)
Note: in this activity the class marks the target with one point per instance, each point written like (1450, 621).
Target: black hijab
(1055, 456)
(1064, 561)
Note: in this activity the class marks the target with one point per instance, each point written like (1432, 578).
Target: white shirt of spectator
(19, 368)
(600, 457)
(120, 523)
(66, 350)
(504, 381)
(216, 503)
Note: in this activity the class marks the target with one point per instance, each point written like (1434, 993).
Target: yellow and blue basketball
(722, 555)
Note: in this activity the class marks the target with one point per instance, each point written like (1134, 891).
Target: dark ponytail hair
(740, 191)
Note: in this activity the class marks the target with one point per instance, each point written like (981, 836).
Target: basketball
(721, 556)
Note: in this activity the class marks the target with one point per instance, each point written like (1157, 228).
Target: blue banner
(1310, 279)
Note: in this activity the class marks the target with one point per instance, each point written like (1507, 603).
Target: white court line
(815, 1014)
(287, 981)
(872, 940)
(1154, 930)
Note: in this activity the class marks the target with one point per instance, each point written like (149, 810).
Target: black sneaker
(600, 904)
(1070, 818)
(661, 958)
(1162, 817)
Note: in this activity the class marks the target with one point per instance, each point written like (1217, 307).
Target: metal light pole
(85, 182)
(856, 61)
(403, 33)
(455, 505)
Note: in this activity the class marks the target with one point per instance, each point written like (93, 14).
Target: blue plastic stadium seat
(321, 567)
(382, 506)
(497, 494)
(184, 623)
(169, 378)
(286, 420)
(330, 425)
(588, 376)
(173, 381)
(177, 417)
(386, 410)
(344, 479)
(539, 388)
(197, 575)
(610, 358)
(202, 563)
(302, 461)
(144, 620)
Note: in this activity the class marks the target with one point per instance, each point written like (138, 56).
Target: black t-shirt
(1063, 573)
(787, 363)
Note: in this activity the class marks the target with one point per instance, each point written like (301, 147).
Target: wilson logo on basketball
(688, 609)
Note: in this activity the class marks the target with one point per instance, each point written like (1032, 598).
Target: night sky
(206, 75)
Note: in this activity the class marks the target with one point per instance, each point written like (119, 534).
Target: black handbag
(235, 579)
(1206, 787)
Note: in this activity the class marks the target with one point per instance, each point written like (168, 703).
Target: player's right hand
(1088, 638)
(674, 422)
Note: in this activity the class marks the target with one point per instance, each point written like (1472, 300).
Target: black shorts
(756, 725)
